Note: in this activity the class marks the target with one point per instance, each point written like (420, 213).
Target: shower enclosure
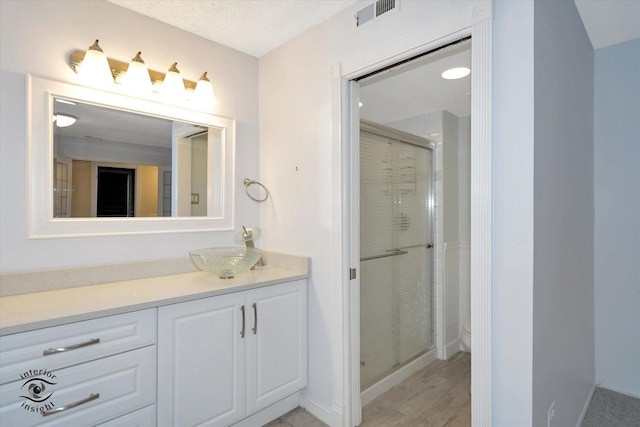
(396, 265)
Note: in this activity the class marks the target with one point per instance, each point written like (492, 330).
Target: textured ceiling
(254, 27)
(609, 22)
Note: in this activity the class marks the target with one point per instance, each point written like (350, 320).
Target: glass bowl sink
(225, 262)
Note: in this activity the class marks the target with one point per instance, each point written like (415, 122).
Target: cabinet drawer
(145, 417)
(66, 345)
(102, 390)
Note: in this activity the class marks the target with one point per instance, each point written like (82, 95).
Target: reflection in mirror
(114, 163)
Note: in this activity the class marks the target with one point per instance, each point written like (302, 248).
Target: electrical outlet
(551, 413)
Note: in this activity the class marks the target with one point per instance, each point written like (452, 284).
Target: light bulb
(172, 85)
(204, 93)
(137, 79)
(94, 69)
(63, 120)
(455, 73)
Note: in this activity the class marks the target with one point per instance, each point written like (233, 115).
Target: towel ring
(248, 182)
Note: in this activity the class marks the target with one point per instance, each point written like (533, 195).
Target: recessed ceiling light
(455, 73)
(63, 120)
(360, 104)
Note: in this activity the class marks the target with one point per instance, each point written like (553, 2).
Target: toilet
(465, 336)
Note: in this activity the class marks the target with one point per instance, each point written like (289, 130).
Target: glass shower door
(396, 292)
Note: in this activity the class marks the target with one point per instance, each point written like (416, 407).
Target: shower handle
(395, 252)
(427, 245)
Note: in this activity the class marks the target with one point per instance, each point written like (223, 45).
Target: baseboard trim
(317, 410)
(586, 406)
(271, 412)
(397, 377)
(338, 414)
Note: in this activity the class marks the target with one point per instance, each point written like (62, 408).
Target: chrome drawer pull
(243, 322)
(70, 347)
(71, 405)
(255, 319)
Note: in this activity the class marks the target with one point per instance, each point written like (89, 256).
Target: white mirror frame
(41, 223)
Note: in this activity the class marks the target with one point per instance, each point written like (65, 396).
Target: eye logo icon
(37, 389)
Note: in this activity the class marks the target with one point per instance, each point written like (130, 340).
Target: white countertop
(24, 312)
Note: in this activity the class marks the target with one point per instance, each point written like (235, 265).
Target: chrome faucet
(247, 236)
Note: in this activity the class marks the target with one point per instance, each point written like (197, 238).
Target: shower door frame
(477, 23)
(429, 354)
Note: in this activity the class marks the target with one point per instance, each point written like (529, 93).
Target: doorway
(481, 201)
(116, 192)
(413, 115)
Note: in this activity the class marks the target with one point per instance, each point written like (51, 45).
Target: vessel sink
(225, 262)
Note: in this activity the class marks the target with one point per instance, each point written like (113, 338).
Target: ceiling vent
(375, 10)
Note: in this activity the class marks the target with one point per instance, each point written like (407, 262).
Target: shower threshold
(398, 374)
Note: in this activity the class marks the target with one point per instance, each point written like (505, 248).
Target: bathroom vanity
(182, 349)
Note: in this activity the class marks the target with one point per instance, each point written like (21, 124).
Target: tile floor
(436, 396)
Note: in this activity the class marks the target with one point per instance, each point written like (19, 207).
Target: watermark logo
(37, 388)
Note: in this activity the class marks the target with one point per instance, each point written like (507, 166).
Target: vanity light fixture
(63, 120)
(137, 77)
(204, 91)
(455, 73)
(95, 69)
(170, 84)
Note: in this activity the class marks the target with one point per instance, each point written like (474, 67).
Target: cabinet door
(276, 344)
(201, 362)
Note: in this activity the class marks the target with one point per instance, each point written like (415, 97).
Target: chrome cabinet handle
(71, 405)
(243, 322)
(255, 319)
(51, 351)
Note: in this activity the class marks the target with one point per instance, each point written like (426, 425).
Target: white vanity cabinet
(83, 373)
(224, 358)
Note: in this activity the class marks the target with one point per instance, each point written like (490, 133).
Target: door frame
(477, 23)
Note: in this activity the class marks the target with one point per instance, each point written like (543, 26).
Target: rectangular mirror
(125, 165)
(114, 163)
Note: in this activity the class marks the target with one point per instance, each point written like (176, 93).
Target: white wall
(617, 209)
(37, 37)
(450, 195)
(297, 164)
(563, 313)
(464, 178)
(513, 96)
(464, 212)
